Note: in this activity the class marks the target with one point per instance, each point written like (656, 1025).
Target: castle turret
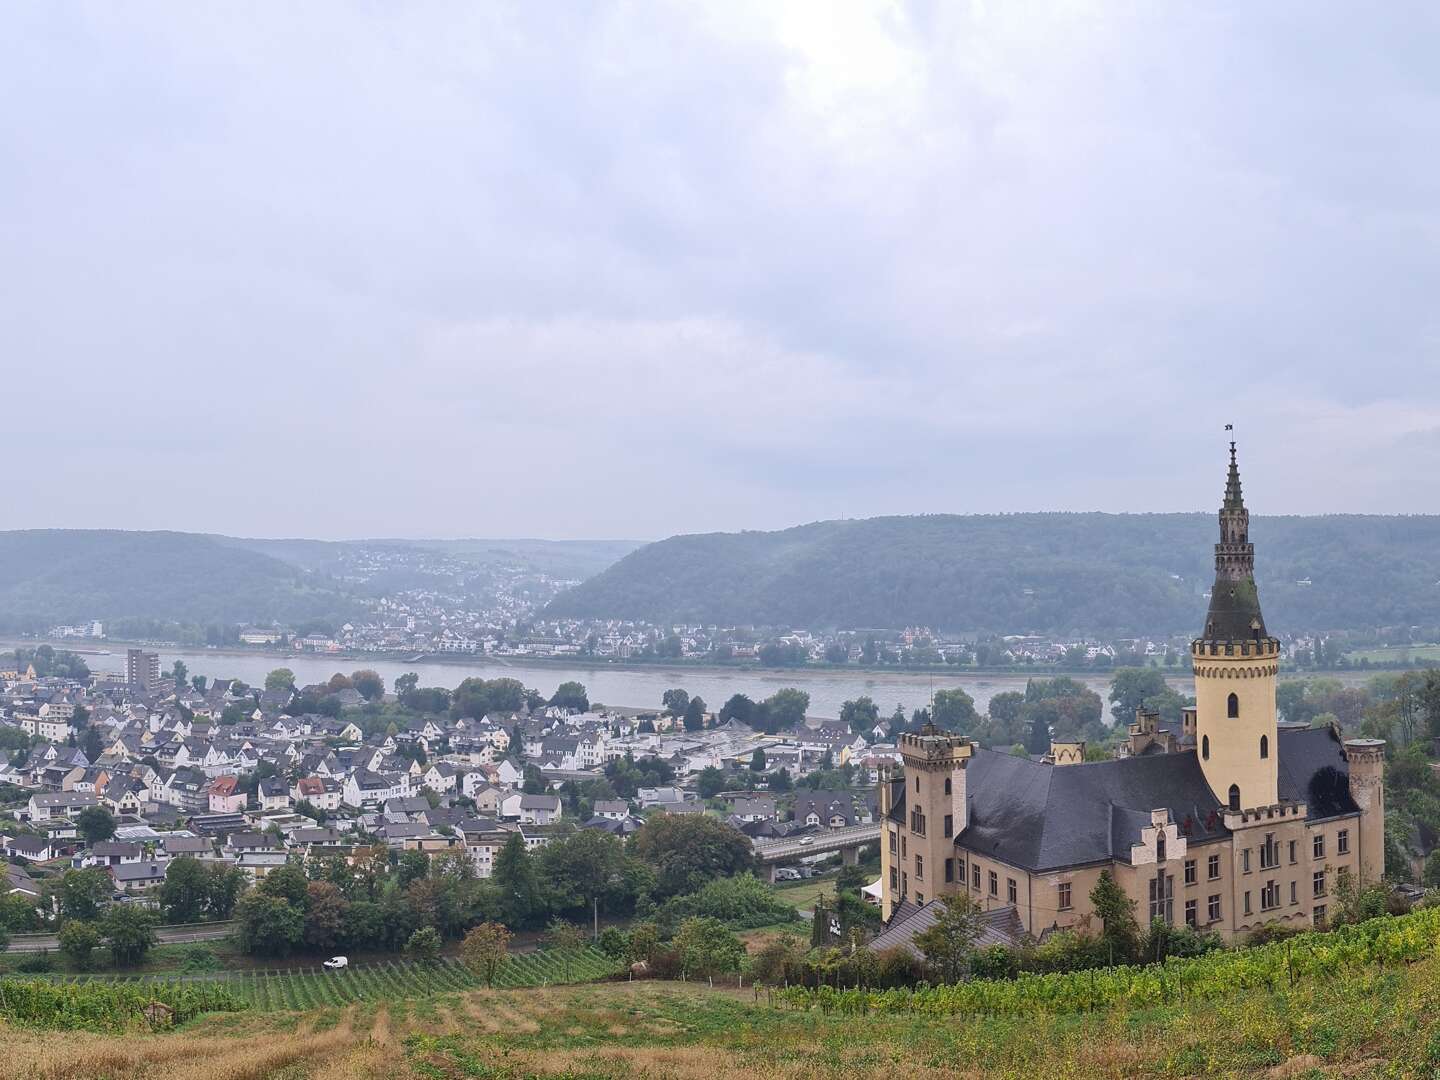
(1366, 758)
(1236, 663)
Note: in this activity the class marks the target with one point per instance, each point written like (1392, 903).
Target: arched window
(1232, 706)
(947, 785)
(917, 785)
(1264, 746)
(1205, 747)
(1234, 796)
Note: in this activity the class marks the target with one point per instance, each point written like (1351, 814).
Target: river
(612, 684)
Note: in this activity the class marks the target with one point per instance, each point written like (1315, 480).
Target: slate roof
(998, 926)
(1043, 817)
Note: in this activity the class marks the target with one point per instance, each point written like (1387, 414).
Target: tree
(710, 782)
(675, 701)
(95, 823)
(1129, 687)
(861, 714)
(739, 708)
(185, 891)
(92, 745)
(78, 941)
(268, 925)
(785, 709)
(180, 674)
(706, 946)
(80, 893)
(199, 682)
(484, 949)
(687, 850)
(424, 945)
(1116, 911)
(567, 939)
(477, 697)
(820, 923)
(129, 931)
(757, 760)
(325, 915)
(954, 710)
(949, 941)
(369, 683)
(225, 885)
(589, 869)
(695, 714)
(572, 696)
(780, 780)
(281, 678)
(287, 883)
(517, 884)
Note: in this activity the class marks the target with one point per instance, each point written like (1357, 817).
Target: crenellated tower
(1236, 663)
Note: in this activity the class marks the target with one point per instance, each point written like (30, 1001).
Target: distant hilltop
(1047, 573)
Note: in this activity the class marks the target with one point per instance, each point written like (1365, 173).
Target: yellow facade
(1235, 719)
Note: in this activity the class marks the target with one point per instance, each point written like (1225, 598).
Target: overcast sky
(626, 270)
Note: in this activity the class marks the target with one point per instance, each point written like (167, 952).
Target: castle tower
(1367, 786)
(1236, 664)
(934, 815)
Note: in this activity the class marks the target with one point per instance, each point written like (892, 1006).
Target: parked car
(335, 963)
(807, 840)
(785, 873)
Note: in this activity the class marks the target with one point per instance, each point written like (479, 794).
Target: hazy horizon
(340, 271)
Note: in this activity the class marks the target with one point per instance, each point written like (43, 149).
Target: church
(1230, 823)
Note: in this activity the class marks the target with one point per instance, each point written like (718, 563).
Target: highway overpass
(847, 841)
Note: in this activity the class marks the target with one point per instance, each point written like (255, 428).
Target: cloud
(636, 269)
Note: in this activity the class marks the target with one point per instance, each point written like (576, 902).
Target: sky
(633, 269)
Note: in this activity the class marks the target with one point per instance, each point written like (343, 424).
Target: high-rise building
(142, 669)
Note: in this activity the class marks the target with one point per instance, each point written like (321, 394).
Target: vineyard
(1319, 957)
(310, 988)
(106, 1005)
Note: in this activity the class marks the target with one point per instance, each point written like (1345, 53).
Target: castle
(1233, 822)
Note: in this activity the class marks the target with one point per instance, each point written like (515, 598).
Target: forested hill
(50, 576)
(1039, 573)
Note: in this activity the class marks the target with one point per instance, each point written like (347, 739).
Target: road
(165, 935)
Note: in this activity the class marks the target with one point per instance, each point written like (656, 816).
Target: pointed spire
(1233, 498)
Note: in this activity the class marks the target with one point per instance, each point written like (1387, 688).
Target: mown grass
(1370, 1023)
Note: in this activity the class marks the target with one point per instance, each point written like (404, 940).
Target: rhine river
(610, 684)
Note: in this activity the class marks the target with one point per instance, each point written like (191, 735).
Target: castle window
(1318, 845)
(1190, 872)
(1269, 853)
(1232, 707)
(947, 785)
(949, 870)
(1010, 892)
(1264, 746)
(1319, 883)
(1160, 846)
(1270, 896)
(1247, 902)
(1192, 914)
(1234, 796)
(1212, 908)
(1205, 747)
(917, 779)
(994, 883)
(1245, 861)
(1319, 914)
(1292, 852)
(894, 879)
(1342, 842)
(1064, 890)
(975, 876)
(919, 867)
(949, 825)
(1294, 897)
(1212, 868)
(894, 845)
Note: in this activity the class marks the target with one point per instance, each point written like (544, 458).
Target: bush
(995, 962)
(779, 962)
(199, 958)
(39, 963)
(741, 903)
(614, 943)
(898, 967)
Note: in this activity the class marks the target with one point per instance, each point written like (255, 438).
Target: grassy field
(1369, 1024)
(801, 894)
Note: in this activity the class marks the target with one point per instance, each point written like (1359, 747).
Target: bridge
(847, 841)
